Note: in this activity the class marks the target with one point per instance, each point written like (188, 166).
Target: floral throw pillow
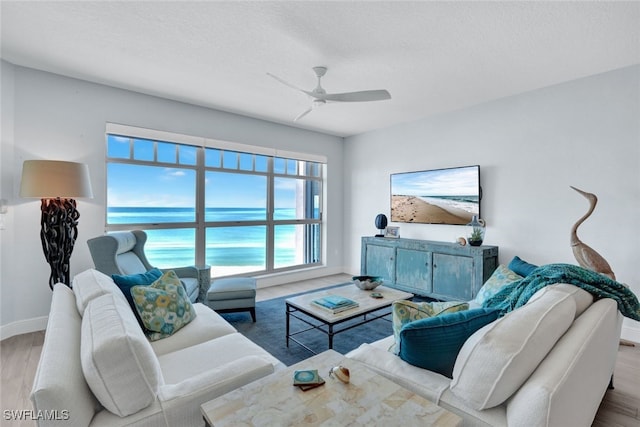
(163, 306)
(404, 312)
(502, 276)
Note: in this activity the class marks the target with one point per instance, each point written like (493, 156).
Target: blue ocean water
(237, 246)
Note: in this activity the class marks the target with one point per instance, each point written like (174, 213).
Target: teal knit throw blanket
(517, 294)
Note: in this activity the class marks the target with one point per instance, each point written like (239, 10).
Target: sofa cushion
(117, 359)
(521, 267)
(91, 284)
(209, 354)
(501, 277)
(206, 326)
(164, 306)
(433, 343)
(375, 356)
(496, 360)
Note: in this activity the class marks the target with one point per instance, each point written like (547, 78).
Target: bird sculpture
(585, 255)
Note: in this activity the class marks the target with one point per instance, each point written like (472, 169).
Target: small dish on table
(367, 283)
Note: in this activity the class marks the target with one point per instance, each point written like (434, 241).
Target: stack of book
(334, 303)
(307, 379)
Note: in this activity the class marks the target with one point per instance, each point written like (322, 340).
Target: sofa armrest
(181, 401)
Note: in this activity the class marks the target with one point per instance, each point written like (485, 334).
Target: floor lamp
(57, 183)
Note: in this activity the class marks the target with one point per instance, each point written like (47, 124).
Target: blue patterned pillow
(433, 343)
(163, 306)
(501, 277)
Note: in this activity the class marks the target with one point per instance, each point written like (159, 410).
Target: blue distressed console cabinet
(440, 270)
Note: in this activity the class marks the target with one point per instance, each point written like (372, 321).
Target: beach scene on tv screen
(443, 196)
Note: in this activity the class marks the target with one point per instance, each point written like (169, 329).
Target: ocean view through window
(237, 211)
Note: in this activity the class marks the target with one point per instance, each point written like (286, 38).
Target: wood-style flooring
(20, 354)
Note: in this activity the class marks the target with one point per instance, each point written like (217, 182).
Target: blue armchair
(122, 252)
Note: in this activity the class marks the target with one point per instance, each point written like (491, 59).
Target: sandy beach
(414, 209)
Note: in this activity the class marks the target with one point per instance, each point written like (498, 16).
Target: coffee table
(368, 308)
(369, 399)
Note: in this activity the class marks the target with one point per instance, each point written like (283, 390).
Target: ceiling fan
(321, 97)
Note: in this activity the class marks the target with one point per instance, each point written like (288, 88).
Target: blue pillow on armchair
(433, 343)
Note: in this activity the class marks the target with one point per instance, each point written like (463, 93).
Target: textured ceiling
(431, 56)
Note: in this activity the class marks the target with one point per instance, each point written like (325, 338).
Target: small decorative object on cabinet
(475, 231)
(441, 270)
(393, 232)
(381, 224)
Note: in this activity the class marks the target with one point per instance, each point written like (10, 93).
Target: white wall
(530, 149)
(58, 118)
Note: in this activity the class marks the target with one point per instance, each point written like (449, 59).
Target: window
(238, 210)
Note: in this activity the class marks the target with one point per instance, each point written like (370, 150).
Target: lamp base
(59, 222)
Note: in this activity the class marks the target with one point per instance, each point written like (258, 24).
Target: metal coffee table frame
(327, 324)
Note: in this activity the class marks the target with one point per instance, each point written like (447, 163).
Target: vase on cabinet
(475, 231)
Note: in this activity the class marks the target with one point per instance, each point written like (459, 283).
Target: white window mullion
(270, 211)
(201, 232)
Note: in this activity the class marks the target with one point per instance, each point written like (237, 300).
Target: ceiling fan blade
(286, 83)
(363, 96)
(301, 115)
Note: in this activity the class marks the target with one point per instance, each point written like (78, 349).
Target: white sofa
(541, 367)
(97, 368)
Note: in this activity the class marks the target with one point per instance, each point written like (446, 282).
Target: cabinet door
(413, 269)
(380, 261)
(453, 276)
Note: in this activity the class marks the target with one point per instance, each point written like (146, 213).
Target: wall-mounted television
(438, 196)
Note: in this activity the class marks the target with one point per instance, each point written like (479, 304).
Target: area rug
(269, 331)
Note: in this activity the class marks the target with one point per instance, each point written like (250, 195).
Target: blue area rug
(269, 331)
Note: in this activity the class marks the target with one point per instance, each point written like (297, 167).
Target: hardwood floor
(20, 354)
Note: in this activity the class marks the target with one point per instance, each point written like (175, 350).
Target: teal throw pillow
(403, 312)
(434, 343)
(501, 277)
(126, 282)
(521, 267)
(163, 306)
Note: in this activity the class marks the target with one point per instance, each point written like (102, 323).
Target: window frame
(201, 224)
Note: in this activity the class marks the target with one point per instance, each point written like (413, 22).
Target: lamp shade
(53, 178)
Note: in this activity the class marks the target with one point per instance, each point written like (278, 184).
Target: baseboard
(23, 327)
(630, 334)
(296, 276)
